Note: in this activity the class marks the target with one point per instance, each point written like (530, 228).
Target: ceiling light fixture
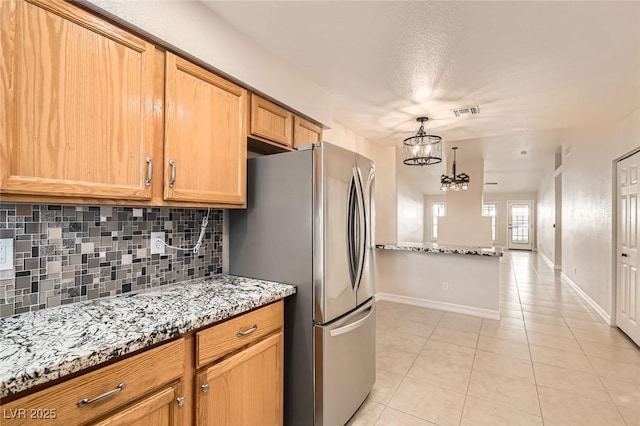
(454, 182)
(422, 149)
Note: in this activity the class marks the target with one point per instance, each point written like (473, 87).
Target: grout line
(529, 349)
(466, 393)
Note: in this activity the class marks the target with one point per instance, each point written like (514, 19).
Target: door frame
(613, 320)
(532, 222)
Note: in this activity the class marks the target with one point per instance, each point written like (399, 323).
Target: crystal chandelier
(454, 182)
(422, 149)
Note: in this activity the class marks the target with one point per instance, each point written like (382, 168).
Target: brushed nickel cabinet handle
(205, 387)
(247, 332)
(173, 173)
(147, 182)
(180, 401)
(117, 390)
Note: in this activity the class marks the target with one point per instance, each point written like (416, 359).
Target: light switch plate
(6, 254)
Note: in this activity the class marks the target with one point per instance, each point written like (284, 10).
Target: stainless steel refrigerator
(308, 222)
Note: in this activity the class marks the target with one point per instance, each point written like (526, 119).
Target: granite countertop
(40, 346)
(435, 248)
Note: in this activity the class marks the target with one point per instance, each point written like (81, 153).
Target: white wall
(411, 204)
(502, 218)
(546, 209)
(558, 229)
(587, 204)
(473, 281)
(195, 31)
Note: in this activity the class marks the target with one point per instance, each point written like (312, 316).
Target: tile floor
(550, 360)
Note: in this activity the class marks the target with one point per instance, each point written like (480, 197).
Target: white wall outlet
(157, 238)
(6, 254)
(445, 285)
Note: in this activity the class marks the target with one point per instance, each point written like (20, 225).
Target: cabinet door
(245, 389)
(78, 93)
(162, 408)
(305, 132)
(270, 121)
(205, 135)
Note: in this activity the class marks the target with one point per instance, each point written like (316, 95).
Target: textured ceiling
(534, 68)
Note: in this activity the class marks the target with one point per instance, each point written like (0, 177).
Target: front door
(520, 225)
(627, 287)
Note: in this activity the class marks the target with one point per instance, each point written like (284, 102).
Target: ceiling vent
(466, 111)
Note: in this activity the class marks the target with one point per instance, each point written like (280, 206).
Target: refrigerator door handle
(350, 231)
(354, 325)
(362, 227)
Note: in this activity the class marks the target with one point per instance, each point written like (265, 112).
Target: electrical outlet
(6, 254)
(445, 285)
(156, 243)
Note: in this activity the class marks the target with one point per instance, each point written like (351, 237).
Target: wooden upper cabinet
(305, 132)
(78, 94)
(269, 121)
(205, 135)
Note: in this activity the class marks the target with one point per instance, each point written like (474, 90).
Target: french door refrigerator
(308, 222)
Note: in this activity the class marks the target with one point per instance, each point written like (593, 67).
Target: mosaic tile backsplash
(65, 254)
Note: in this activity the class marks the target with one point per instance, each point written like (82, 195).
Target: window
(490, 210)
(437, 209)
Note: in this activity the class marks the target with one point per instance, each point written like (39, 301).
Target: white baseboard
(549, 262)
(443, 306)
(605, 316)
(546, 260)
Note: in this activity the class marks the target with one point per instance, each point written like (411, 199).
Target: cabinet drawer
(222, 339)
(138, 374)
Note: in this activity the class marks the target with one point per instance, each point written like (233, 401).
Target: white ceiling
(534, 68)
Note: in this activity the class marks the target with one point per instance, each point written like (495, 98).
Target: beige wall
(463, 223)
(500, 199)
(196, 31)
(587, 204)
(386, 195)
(346, 138)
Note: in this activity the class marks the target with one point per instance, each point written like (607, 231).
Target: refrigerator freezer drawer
(345, 365)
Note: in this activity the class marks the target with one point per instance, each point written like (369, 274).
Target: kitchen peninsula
(452, 278)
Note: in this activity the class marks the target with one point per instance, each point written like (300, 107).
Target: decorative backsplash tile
(66, 254)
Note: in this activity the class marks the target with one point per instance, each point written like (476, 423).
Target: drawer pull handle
(247, 332)
(147, 182)
(172, 181)
(105, 395)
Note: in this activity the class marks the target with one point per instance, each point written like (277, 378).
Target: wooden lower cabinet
(162, 408)
(244, 389)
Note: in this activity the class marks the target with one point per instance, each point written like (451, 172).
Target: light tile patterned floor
(550, 360)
